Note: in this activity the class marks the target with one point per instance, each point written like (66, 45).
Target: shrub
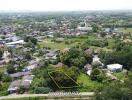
(97, 75)
(6, 78)
(42, 90)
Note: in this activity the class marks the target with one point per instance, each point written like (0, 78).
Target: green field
(120, 75)
(126, 30)
(2, 69)
(56, 45)
(87, 84)
(74, 41)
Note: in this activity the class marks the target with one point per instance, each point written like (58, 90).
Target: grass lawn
(111, 43)
(127, 30)
(2, 69)
(76, 40)
(120, 75)
(47, 42)
(87, 84)
(56, 45)
(80, 39)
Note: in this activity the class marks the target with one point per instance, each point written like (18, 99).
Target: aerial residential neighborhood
(79, 52)
(74, 55)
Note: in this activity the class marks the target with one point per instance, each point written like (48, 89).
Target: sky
(64, 5)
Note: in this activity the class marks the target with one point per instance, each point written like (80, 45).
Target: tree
(42, 90)
(34, 40)
(30, 39)
(95, 28)
(40, 79)
(97, 75)
(63, 76)
(26, 38)
(1, 53)
(6, 78)
(1, 75)
(10, 69)
(115, 91)
(27, 56)
(21, 89)
(73, 57)
(121, 56)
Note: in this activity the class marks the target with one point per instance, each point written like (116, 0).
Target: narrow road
(46, 95)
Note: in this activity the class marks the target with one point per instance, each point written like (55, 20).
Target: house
(2, 62)
(114, 67)
(50, 54)
(111, 76)
(96, 61)
(6, 54)
(89, 51)
(16, 42)
(85, 29)
(16, 75)
(59, 65)
(51, 36)
(27, 80)
(32, 62)
(31, 67)
(18, 57)
(1, 45)
(14, 86)
(60, 40)
(89, 72)
(20, 74)
(88, 67)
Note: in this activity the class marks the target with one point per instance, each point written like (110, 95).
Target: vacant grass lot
(127, 30)
(75, 41)
(120, 75)
(2, 68)
(87, 85)
(56, 45)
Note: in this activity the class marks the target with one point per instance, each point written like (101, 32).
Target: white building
(16, 42)
(114, 67)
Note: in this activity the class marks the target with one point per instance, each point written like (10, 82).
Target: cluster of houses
(50, 54)
(11, 40)
(6, 30)
(23, 78)
(26, 81)
(108, 69)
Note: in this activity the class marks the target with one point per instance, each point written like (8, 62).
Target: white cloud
(60, 5)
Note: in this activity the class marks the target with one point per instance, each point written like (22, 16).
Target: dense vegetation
(117, 90)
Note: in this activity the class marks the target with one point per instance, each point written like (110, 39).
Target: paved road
(45, 95)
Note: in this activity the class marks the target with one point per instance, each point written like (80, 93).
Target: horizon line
(19, 11)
